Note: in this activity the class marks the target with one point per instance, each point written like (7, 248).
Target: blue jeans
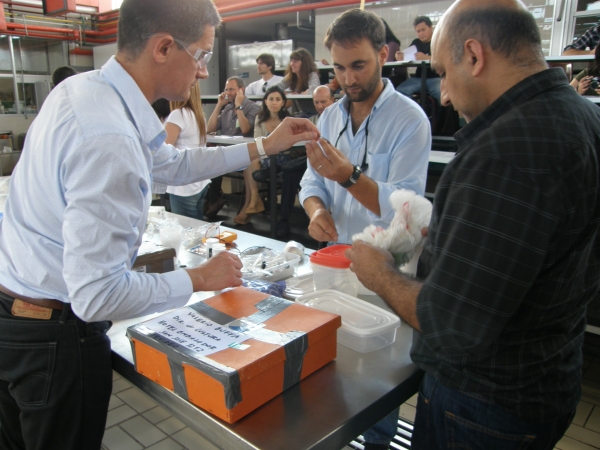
(191, 206)
(383, 431)
(55, 381)
(450, 419)
(413, 86)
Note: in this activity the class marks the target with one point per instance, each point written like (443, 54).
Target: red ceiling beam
(289, 9)
(2, 18)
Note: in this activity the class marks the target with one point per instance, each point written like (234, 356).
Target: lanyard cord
(364, 166)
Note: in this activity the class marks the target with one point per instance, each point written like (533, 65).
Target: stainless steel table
(324, 411)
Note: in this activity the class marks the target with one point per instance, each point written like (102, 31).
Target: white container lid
(358, 316)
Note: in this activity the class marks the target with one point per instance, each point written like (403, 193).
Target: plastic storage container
(331, 270)
(365, 327)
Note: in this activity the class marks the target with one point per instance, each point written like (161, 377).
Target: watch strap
(260, 147)
(353, 178)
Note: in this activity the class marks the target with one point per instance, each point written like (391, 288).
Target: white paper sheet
(195, 332)
(409, 53)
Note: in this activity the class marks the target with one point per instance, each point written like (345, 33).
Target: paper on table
(409, 53)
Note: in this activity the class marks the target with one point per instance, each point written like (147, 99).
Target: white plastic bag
(403, 238)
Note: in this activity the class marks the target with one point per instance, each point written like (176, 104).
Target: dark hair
(264, 113)
(185, 20)
(239, 81)
(353, 26)
(422, 19)
(61, 74)
(162, 108)
(512, 33)
(389, 34)
(594, 66)
(299, 82)
(268, 59)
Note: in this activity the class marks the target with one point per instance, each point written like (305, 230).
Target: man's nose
(202, 72)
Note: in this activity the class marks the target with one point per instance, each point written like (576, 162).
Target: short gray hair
(512, 33)
(185, 20)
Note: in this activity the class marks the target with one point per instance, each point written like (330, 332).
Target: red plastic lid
(332, 256)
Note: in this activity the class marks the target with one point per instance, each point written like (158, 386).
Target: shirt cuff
(180, 287)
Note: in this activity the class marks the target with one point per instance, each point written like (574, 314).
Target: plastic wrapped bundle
(403, 237)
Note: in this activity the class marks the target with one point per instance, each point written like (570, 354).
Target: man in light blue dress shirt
(374, 141)
(76, 214)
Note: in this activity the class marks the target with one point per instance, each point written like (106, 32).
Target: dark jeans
(450, 419)
(293, 171)
(55, 381)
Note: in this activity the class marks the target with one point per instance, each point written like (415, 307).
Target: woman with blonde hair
(301, 75)
(186, 129)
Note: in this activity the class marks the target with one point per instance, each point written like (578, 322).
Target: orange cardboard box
(234, 352)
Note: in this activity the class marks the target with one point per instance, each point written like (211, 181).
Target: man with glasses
(234, 115)
(265, 63)
(375, 141)
(76, 213)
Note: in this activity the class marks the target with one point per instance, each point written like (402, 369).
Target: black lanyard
(364, 166)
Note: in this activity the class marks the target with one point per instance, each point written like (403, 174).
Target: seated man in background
(265, 64)
(586, 44)
(322, 98)
(512, 254)
(233, 115)
(424, 29)
(365, 156)
(61, 74)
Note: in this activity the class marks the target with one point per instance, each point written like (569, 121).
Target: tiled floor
(136, 422)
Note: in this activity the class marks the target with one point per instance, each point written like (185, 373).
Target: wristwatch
(240, 107)
(260, 147)
(353, 178)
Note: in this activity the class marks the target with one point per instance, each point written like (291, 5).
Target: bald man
(512, 255)
(322, 98)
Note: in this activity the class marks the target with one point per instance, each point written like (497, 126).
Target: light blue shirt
(399, 142)
(79, 198)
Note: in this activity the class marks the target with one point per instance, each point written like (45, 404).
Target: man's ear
(162, 48)
(383, 54)
(475, 56)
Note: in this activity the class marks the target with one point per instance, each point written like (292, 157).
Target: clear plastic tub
(331, 270)
(365, 327)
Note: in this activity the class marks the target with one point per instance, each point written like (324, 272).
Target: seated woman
(584, 82)
(271, 114)
(301, 75)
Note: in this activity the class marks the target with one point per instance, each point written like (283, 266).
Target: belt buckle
(30, 311)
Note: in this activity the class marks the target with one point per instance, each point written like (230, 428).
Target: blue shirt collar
(143, 116)
(388, 90)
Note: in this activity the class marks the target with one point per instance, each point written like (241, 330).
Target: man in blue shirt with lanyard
(75, 217)
(375, 141)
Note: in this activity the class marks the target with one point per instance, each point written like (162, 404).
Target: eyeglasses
(202, 57)
(364, 166)
(264, 86)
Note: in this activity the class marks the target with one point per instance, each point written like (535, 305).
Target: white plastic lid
(358, 316)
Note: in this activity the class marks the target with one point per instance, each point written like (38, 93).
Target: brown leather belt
(46, 303)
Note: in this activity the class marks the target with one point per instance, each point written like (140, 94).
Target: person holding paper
(420, 50)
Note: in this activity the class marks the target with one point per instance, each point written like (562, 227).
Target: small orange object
(226, 236)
